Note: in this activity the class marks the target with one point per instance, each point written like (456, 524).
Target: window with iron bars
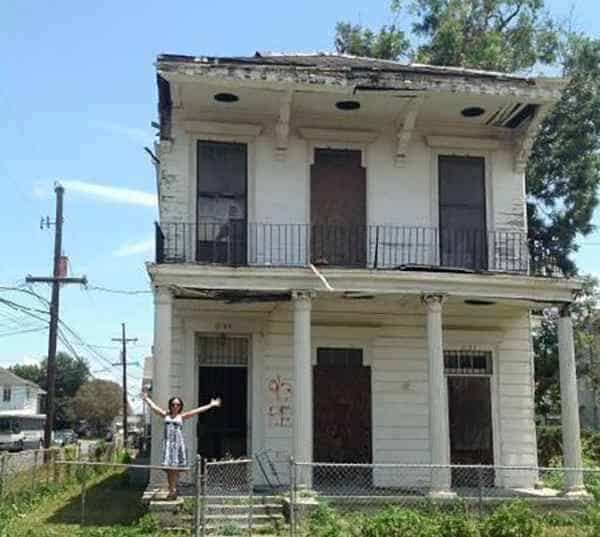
(467, 362)
(222, 350)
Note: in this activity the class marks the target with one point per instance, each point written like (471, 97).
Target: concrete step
(232, 509)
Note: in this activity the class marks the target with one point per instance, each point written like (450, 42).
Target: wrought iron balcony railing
(239, 243)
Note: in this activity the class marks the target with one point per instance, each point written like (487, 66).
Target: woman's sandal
(172, 496)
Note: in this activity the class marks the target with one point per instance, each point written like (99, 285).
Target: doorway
(338, 208)
(222, 205)
(223, 372)
(462, 208)
(342, 425)
(470, 416)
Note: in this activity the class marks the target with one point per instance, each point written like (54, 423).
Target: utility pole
(124, 340)
(58, 278)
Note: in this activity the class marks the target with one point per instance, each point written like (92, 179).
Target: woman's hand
(215, 402)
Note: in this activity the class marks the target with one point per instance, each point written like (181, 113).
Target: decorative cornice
(338, 135)
(524, 142)
(406, 129)
(462, 142)
(225, 129)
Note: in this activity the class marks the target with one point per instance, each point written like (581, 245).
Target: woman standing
(173, 449)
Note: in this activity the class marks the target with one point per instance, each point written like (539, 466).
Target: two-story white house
(342, 256)
(18, 394)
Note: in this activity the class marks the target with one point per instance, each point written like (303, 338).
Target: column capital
(300, 296)
(565, 309)
(162, 294)
(433, 302)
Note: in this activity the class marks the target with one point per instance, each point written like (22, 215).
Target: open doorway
(223, 372)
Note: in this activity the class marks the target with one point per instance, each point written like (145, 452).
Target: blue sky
(76, 100)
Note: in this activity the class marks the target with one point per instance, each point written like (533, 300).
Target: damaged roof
(337, 62)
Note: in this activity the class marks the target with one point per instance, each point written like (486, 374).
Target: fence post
(480, 487)
(250, 479)
(34, 470)
(203, 504)
(292, 497)
(196, 481)
(83, 490)
(2, 475)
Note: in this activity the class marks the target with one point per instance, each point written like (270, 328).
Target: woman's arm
(195, 411)
(155, 408)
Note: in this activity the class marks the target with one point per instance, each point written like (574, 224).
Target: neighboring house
(19, 395)
(342, 257)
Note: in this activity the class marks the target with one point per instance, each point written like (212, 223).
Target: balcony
(239, 243)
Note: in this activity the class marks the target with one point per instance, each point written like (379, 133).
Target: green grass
(113, 509)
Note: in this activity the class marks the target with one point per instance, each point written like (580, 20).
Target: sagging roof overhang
(350, 74)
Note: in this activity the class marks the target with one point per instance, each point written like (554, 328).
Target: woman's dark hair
(178, 399)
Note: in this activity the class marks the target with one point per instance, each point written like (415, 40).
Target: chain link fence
(367, 488)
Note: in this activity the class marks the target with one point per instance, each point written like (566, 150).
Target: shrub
(514, 519)
(396, 522)
(459, 525)
(325, 522)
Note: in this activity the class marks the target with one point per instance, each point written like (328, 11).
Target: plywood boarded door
(342, 426)
(338, 208)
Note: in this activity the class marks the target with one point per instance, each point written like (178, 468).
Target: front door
(342, 412)
(463, 235)
(222, 431)
(338, 208)
(471, 438)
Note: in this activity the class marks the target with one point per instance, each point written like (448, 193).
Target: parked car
(64, 437)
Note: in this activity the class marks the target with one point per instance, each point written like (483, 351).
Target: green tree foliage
(564, 169)
(586, 328)
(497, 35)
(98, 402)
(389, 43)
(71, 373)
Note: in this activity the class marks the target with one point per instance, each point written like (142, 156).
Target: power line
(119, 291)
(24, 331)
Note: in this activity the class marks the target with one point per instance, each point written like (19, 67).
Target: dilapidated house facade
(342, 256)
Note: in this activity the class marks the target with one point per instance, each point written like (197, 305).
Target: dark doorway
(463, 234)
(471, 430)
(222, 203)
(342, 413)
(338, 207)
(222, 432)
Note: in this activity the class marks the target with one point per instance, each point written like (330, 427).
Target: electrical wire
(119, 291)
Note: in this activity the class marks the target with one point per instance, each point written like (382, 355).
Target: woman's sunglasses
(175, 404)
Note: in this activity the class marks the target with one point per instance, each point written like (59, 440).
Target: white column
(439, 436)
(161, 371)
(303, 396)
(569, 403)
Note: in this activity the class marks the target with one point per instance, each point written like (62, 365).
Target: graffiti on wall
(279, 401)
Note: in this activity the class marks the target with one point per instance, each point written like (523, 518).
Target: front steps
(225, 515)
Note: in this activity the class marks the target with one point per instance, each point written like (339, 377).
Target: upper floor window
(6, 395)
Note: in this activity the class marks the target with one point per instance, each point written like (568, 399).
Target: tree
(497, 35)
(71, 373)
(586, 332)
(564, 169)
(98, 402)
(389, 43)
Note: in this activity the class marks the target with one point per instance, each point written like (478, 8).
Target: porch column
(569, 403)
(439, 436)
(161, 370)
(303, 396)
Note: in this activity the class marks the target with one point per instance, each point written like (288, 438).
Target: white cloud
(134, 248)
(29, 360)
(113, 194)
(133, 134)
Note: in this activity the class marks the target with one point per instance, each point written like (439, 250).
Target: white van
(19, 431)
